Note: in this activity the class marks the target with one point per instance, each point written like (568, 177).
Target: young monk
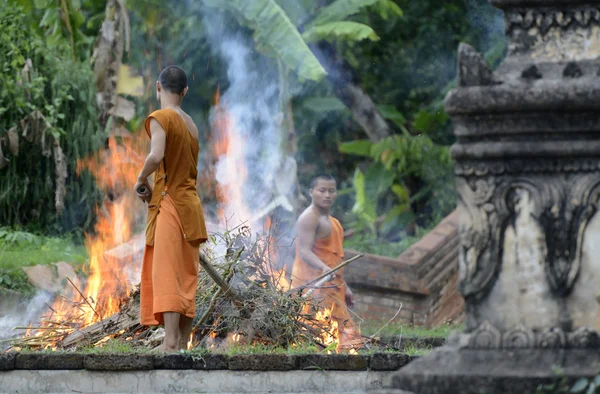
(319, 249)
(175, 227)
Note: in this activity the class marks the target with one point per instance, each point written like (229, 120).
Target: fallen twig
(85, 299)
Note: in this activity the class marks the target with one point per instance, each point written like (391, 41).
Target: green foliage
(48, 82)
(275, 34)
(344, 30)
(341, 9)
(83, 18)
(398, 161)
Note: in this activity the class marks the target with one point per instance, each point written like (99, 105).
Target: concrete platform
(192, 381)
(500, 371)
(195, 373)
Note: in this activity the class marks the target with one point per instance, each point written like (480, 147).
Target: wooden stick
(218, 279)
(211, 307)
(325, 274)
(85, 298)
(43, 328)
(318, 285)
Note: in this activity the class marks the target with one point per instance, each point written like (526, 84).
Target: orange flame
(108, 284)
(115, 170)
(228, 149)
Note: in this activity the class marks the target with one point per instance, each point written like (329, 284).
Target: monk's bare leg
(185, 329)
(171, 341)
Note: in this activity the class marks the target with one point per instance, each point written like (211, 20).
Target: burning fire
(232, 173)
(109, 282)
(115, 171)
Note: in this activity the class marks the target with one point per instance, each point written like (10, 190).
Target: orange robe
(333, 294)
(175, 227)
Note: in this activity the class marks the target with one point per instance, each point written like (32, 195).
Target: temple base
(471, 371)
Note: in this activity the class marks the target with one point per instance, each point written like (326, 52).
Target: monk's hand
(349, 297)
(143, 190)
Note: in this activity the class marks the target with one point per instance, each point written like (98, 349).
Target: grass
(393, 330)
(20, 249)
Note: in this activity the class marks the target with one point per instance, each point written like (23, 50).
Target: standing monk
(175, 227)
(319, 249)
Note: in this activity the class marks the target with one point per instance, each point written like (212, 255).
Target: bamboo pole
(325, 275)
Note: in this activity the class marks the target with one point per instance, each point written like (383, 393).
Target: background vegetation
(394, 184)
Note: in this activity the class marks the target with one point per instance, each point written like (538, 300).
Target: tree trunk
(347, 88)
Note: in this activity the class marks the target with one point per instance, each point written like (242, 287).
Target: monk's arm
(157, 150)
(307, 232)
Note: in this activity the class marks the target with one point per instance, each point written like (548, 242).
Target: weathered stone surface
(493, 372)
(340, 362)
(49, 361)
(211, 362)
(473, 70)
(173, 361)
(7, 361)
(388, 361)
(390, 391)
(118, 362)
(263, 362)
(193, 381)
(52, 278)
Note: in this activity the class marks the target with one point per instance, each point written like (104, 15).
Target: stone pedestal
(528, 179)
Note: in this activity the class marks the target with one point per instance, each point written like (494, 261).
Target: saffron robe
(333, 293)
(175, 226)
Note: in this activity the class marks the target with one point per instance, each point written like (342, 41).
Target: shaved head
(324, 177)
(173, 79)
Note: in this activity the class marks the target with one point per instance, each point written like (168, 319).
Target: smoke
(488, 21)
(15, 313)
(252, 102)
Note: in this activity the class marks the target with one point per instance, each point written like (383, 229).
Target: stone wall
(193, 373)
(423, 280)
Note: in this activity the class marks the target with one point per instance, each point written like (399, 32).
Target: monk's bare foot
(183, 345)
(166, 349)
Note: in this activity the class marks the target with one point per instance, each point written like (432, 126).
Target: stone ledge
(211, 362)
(239, 362)
(263, 362)
(495, 371)
(49, 361)
(389, 361)
(188, 361)
(7, 361)
(120, 362)
(333, 362)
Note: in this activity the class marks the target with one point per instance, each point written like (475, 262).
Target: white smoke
(253, 104)
(18, 314)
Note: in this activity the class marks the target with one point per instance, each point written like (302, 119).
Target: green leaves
(274, 32)
(363, 206)
(324, 104)
(357, 147)
(343, 31)
(52, 94)
(340, 10)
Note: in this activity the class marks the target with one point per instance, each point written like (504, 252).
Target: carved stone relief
(535, 227)
(555, 33)
(486, 336)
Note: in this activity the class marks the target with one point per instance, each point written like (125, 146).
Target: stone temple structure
(528, 179)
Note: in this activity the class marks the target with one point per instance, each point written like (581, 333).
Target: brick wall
(422, 280)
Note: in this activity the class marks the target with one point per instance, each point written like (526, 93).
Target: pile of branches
(242, 291)
(243, 297)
